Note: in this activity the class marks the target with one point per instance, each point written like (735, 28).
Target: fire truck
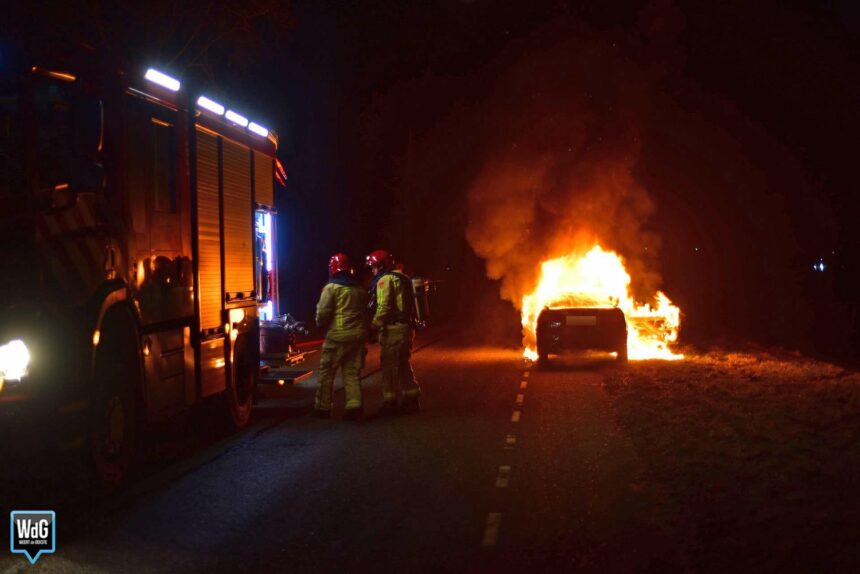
(138, 256)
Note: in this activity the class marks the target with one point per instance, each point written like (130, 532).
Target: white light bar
(208, 104)
(258, 129)
(164, 80)
(236, 118)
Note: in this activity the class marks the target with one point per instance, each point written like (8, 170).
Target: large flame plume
(598, 278)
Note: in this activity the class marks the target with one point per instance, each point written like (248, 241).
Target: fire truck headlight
(14, 360)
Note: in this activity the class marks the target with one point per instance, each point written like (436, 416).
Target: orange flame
(599, 279)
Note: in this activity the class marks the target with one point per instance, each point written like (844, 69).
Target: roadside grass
(753, 458)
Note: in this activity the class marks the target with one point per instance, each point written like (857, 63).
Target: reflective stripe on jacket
(341, 311)
(391, 304)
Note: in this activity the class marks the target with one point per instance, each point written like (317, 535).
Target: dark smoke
(561, 136)
(573, 135)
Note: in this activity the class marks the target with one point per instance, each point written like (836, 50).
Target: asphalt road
(508, 468)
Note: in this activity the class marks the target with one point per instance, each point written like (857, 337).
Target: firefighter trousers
(398, 378)
(348, 357)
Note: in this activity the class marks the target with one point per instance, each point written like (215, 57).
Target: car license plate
(581, 320)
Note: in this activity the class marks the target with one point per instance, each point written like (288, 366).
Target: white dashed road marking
(494, 519)
(504, 477)
(491, 530)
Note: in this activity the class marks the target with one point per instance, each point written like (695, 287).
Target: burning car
(584, 301)
(569, 328)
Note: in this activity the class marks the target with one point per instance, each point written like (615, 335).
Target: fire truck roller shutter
(264, 176)
(208, 231)
(238, 222)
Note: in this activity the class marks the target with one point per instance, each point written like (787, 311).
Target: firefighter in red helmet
(341, 312)
(393, 305)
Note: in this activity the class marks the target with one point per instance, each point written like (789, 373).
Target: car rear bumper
(561, 330)
(557, 343)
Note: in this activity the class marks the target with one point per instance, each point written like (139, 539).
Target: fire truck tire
(112, 421)
(239, 396)
(621, 357)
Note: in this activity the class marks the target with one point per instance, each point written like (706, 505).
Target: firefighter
(341, 311)
(393, 303)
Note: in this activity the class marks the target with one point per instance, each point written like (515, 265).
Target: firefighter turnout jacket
(393, 317)
(341, 310)
(394, 301)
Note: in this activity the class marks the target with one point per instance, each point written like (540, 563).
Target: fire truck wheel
(113, 417)
(622, 354)
(239, 395)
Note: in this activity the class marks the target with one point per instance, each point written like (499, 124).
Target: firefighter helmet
(380, 258)
(339, 263)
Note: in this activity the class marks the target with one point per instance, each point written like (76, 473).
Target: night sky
(747, 152)
(746, 140)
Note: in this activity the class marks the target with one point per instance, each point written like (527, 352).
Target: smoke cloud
(561, 136)
(573, 135)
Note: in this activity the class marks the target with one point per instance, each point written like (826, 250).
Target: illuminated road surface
(507, 469)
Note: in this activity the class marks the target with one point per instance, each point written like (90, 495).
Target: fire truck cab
(137, 222)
